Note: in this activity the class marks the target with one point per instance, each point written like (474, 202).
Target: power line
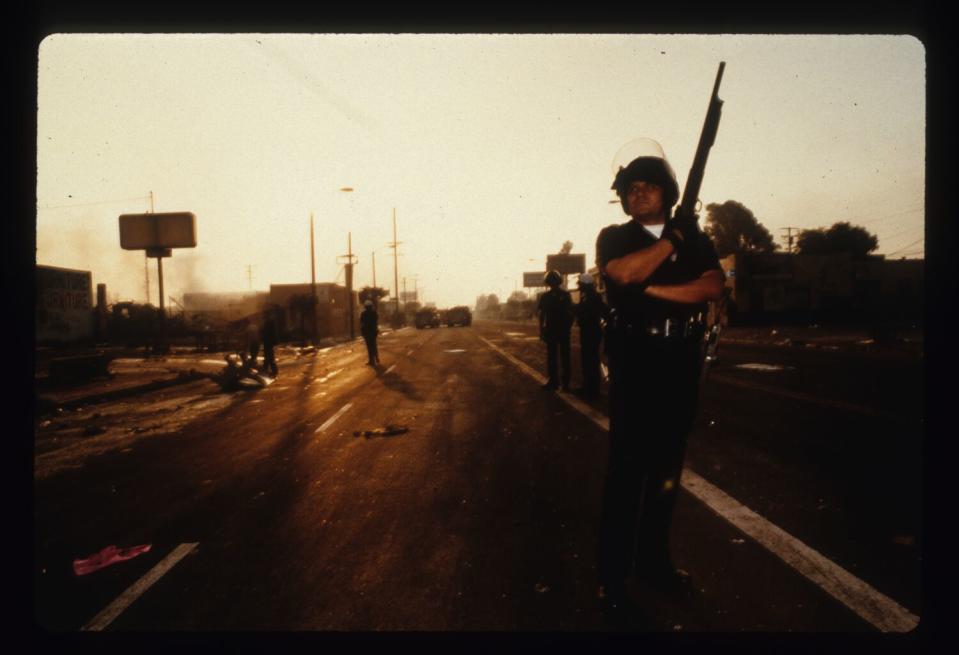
(910, 245)
(88, 204)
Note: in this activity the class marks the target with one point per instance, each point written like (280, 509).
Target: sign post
(158, 234)
(566, 264)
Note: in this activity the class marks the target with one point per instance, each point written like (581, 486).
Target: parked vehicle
(427, 317)
(459, 315)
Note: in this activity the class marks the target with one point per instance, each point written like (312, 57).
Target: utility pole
(312, 280)
(373, 259)
(396, 281)
(789, 237)
(146, 262)
(249, 276)
(349, 280)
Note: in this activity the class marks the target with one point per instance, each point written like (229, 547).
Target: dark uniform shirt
(590, 313)
(629, 301)
(368, 322)
(268, 333)
(556, 308)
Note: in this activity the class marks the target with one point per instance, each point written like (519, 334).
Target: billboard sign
(157, 231)
(64, 304)
(408, 296)
(566, 264)
(534, 279)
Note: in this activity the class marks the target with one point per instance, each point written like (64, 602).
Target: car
(459, 315)
(427, 317)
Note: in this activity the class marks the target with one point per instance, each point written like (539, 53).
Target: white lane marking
(794, 395)
(873, 606)
(409, 352)
(455, 350)
(114, 609)
(390, 369)
(333, 418)
(326, 377)
(878, 609)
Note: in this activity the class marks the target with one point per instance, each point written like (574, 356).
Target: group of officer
(556, 316)
(659, 273)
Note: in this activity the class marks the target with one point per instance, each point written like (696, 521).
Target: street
(445, 491)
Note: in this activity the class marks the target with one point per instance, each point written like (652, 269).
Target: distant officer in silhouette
(555, 322)
(591, 313)
(252, 341)
(369, 321)
(268, 337)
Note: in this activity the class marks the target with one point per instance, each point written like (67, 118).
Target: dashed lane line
(873, 606)
(114, 609)
(330, 421)
(390, 369)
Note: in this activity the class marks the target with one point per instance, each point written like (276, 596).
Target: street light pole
(396, 280)
(313, 281)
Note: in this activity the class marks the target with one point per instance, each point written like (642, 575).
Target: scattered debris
(106, 557)
(677, 628)
(763, 367)
(388, 431)
(738, 542)
(541, 588)
(904, 540)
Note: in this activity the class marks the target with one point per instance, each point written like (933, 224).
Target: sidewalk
(139, 374)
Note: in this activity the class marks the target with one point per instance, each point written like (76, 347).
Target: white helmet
(585, 279)
(644, 159)
(368, 303)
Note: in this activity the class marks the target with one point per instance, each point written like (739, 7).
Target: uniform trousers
(589, 341)
(557, 357)
(371, 352)
(654, 386)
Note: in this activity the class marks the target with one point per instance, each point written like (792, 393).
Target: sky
(491, 149)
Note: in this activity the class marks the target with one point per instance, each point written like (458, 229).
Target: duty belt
(667, 328)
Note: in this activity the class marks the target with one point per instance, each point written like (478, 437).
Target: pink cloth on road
(106, 557)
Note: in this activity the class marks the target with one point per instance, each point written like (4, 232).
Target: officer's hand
(682, 231)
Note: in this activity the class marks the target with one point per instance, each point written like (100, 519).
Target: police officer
(369, 321)
(591, 312)
(555, 323)
(268, 336)
(659, 273)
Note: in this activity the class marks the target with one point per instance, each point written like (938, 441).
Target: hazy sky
(493, 149)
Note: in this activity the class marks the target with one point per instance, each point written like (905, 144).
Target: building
(224, 307)
(64, 305)
(332, 309)
(783, 287)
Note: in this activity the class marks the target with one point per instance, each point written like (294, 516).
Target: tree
(373, 293)
(734, 229)
(842, 237)
(567, 248)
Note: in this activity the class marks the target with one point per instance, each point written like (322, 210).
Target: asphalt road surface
(444, 490)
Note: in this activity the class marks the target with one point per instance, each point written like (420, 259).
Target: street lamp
(349, 273)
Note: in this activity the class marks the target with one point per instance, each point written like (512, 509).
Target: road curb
(47, 403)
